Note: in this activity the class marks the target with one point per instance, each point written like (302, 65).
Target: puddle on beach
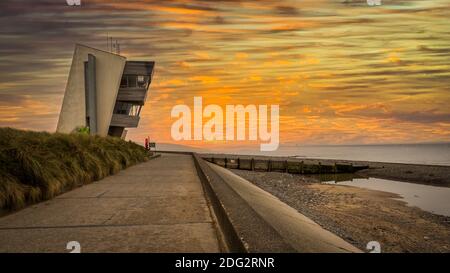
(429, 198)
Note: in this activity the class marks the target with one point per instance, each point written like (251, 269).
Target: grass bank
(36, 166)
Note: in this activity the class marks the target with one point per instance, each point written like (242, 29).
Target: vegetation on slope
(36, 166)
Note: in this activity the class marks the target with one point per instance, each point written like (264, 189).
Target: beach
(436, 175)
(361, 215)
(358, 215)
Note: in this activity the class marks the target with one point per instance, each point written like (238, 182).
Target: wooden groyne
(273, 165)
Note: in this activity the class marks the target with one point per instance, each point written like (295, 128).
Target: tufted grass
(36, 166)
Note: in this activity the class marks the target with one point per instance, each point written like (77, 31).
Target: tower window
(132, 80)
(124, 82)
(142, 81)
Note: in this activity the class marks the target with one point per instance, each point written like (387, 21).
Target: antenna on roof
(112, 46)
(117, 47)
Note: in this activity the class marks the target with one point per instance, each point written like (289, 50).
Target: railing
(134, 94)
(124, 121)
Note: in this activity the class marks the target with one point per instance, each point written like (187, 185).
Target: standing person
(146, 143)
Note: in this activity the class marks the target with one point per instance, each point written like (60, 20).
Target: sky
(342, 72)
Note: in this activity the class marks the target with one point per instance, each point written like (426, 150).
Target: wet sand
(360, 215)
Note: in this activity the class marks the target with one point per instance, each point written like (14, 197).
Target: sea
(429, 154)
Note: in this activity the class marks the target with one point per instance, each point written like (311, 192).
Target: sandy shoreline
(358, 215)
(414, 173)
(361, 215)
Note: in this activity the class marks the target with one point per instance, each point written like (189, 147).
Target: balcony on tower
(132, 94)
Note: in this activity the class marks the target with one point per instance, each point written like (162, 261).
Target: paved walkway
(157, 206)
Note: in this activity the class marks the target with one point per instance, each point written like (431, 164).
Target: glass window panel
(142, 81)
(132, 80)
(124, 82)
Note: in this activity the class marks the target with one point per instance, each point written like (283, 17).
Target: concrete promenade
(157, 206)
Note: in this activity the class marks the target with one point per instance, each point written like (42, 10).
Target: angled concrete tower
(104, 92)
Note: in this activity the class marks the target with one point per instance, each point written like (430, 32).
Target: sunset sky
(342, 72)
